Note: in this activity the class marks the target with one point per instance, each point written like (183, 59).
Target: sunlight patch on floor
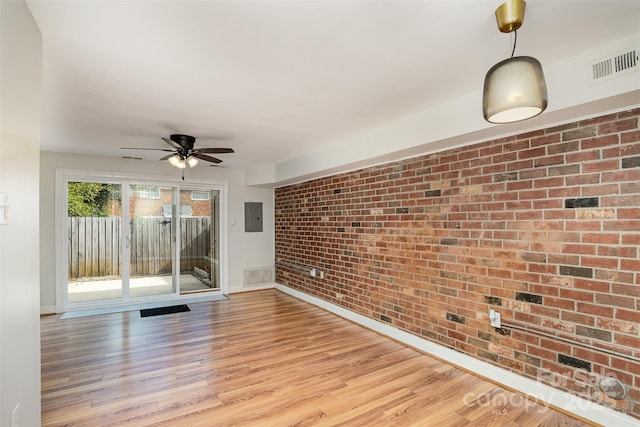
(94, 290)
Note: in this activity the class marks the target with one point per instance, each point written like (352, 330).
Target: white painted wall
(20, 71)
(459, 121)
(245, 249)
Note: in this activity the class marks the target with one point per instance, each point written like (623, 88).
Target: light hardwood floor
(258, 359)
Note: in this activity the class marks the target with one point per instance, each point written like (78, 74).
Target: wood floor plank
(258, 359)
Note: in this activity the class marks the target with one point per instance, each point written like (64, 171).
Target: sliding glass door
(94, 252)
(139, 241)
(151, 240)
(199, 231)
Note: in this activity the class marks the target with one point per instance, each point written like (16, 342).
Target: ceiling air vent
(131, 158)
(614, 66)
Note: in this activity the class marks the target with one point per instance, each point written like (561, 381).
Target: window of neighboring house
(148, 192)
(185, 210)
(199, 195)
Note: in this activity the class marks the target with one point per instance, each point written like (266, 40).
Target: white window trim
(201, 199)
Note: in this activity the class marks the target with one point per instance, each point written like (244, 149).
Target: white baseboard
(252, 288)
(569, 403)
(47, 309)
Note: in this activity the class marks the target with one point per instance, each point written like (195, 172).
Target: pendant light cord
(515, 40)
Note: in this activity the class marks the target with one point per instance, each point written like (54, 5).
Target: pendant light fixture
(514, 89)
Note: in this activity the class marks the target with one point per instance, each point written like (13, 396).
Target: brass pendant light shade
(514, 89)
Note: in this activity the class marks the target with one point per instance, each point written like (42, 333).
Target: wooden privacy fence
(95, 248)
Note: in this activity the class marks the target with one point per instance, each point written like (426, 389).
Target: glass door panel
(133, 241)
(94, 242)
(199, 231)
(151, 240)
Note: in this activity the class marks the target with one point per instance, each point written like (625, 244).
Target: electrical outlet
(494, 318)
(313, 272)
(322, 274)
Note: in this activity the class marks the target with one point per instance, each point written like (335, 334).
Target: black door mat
(164, 310)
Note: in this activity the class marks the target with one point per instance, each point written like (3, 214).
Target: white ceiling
(276, 80)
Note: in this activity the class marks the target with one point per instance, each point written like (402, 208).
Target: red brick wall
(200, 207)
(153, 207)
(544, 227)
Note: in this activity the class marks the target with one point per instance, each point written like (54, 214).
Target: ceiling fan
(183, 152)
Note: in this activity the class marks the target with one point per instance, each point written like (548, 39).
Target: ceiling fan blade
(215, 150)
(138, 148)
(167, 156)
(207, 158)
(172, 143)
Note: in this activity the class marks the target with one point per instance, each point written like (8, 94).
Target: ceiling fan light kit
(192, 162)
(515, 88)
(176, 161)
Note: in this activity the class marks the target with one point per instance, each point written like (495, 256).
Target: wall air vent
(614, 66)
(625, 61)
(602, 69)
(258, 276)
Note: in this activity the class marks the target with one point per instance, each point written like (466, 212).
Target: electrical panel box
(253, 217)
